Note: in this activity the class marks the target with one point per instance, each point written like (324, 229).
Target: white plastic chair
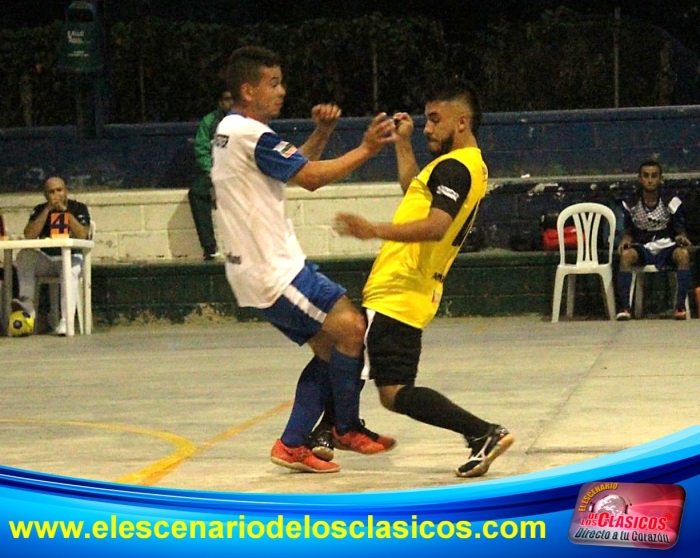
(54, 283)
(637, 290)
(586, 217)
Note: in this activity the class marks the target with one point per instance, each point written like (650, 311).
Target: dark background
(680, 18)
(164, 58)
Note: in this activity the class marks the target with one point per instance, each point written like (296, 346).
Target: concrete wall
(148, 225)
(152, 225)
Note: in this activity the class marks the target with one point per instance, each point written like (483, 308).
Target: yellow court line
(174, 439)
(184, 448)
(156, 472)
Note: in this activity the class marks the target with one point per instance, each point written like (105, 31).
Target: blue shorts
(663, 259)
(300, 311)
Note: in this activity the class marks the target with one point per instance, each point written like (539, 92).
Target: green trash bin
(81, 40)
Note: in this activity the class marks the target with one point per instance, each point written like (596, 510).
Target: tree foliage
(160, 70)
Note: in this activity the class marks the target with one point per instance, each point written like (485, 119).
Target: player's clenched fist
(380, 132)
(328, 114)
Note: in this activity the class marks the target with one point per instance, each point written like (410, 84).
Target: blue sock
(345, 382)
(313, 390)
(684, 279)
(624, 284)
(328, 418)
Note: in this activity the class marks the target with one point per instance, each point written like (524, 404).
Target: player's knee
(681, 257)
(24, 257)
(628, 257)
(353, 328)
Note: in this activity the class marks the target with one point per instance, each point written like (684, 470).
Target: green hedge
(161, 71)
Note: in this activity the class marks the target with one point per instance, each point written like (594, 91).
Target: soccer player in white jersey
(265, 265)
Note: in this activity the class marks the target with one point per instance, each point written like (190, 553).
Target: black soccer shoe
(484, 450)
(321, 442)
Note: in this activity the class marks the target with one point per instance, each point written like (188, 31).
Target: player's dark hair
(650, 163)
(458, 89)
(245, 66)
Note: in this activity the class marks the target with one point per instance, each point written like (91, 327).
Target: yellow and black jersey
(407, 277)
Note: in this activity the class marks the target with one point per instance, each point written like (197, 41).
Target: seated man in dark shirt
(654, 234)
(32, 263)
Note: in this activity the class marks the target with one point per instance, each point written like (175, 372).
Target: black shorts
(393, 349)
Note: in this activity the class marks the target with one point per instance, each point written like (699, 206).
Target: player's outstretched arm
(405, 157)
(315, 174)
(432, 228)
(325, 117)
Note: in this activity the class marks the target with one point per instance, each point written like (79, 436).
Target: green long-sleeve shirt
(202, 141)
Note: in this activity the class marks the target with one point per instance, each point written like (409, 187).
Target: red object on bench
(550, 240)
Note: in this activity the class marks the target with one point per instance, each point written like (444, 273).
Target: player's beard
(441, 148)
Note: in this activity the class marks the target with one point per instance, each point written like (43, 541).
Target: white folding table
(66, 245)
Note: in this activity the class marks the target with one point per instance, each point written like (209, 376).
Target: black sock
(328, 418)
(428, 406)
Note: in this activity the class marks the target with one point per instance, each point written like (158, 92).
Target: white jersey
(251, 167)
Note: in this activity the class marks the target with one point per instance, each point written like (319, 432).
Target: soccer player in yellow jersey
(403, 291)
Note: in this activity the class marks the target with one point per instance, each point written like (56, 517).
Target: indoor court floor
(198, 406)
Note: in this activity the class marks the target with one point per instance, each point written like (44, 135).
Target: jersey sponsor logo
(220, 140)
(447, 192)
(285, 149)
